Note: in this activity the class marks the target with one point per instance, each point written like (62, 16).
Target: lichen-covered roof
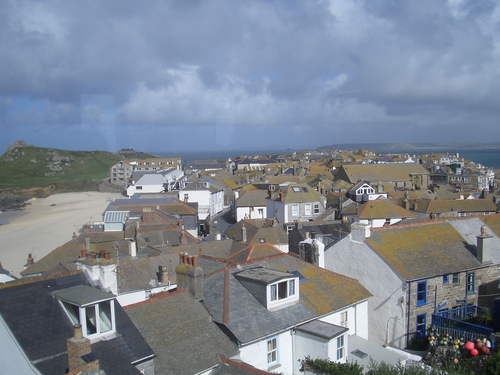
(254, 198)
(493, 222)
(258, 230)
(383, 208)
(382, 172)
(322, 292)
(186, 341)
(423, 250)
(455, 205)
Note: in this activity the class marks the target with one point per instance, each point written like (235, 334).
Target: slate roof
(322, 293)
(297, 193)
(234, 367)
(63, 258)
(181, 333)
(42, 328)
(135, 205)
(381, 172)
(456, 205)
(422, 251)
(258, 229)
(255, 198)
(383, 208)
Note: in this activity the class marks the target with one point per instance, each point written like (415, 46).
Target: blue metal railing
(453, 323)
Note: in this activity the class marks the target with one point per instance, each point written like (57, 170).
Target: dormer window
(273, 289)
(90, 307)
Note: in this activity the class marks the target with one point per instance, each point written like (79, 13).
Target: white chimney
(132, 247)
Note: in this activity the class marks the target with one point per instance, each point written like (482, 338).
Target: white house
(148, 183)
(210, 200)
(315, 320)
(289, 202)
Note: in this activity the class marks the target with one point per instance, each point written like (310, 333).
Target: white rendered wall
(357, 260)
(256, 354)
(12, 359)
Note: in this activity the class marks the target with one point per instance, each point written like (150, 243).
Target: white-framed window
(90, 307)
(95, 319)
(471, 283)
(282, 293)
(295, 210)
(282, 290)
(344, 318)
(340, 348)
(307, 209)
(272, 351)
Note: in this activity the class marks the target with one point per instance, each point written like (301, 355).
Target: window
(422, 293)
(445, 279)
(296, 189)
(498, 278)
(283, 290)
(456, 279)
(96, 318)
(186, 197)
(272, 351)
(307, 209)
(471, 280)
(344, 319)
(316, 208)
(421, 325)
(340, 347)
(295, 210)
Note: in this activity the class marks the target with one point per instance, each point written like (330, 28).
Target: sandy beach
(47, 223)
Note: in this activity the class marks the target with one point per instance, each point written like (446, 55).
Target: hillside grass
(27, 167)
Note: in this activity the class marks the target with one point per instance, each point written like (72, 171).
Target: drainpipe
(292, 333)
(409, 308)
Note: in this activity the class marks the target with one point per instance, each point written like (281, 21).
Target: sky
(242, 75)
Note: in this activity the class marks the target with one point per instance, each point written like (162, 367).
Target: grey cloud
(298, 71)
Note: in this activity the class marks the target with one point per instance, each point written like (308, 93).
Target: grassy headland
(54, 170)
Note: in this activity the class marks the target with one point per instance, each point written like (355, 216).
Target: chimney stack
(132, 247)
(30, 260)
(83, 253)
(87, 244)
(483, 249)
(79, 346)
(190, 275)
(163, 274)
(243, 233)
(148, 215)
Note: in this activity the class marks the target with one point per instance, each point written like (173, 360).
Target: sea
(487, 155)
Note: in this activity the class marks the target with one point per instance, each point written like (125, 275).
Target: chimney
(87, 244)
(298, 224)
(180, 223)
(30, 260)
(359, 232)
(243, 233)
(282, 196)
(190, 275)
(225, 307)
(102, 253)
(483, 249)
(132, 248)
(83, 253)
(148, 215)
(80, 352)
(183, 239)
(163, 274)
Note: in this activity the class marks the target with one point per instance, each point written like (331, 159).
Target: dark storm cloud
(225, 73)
